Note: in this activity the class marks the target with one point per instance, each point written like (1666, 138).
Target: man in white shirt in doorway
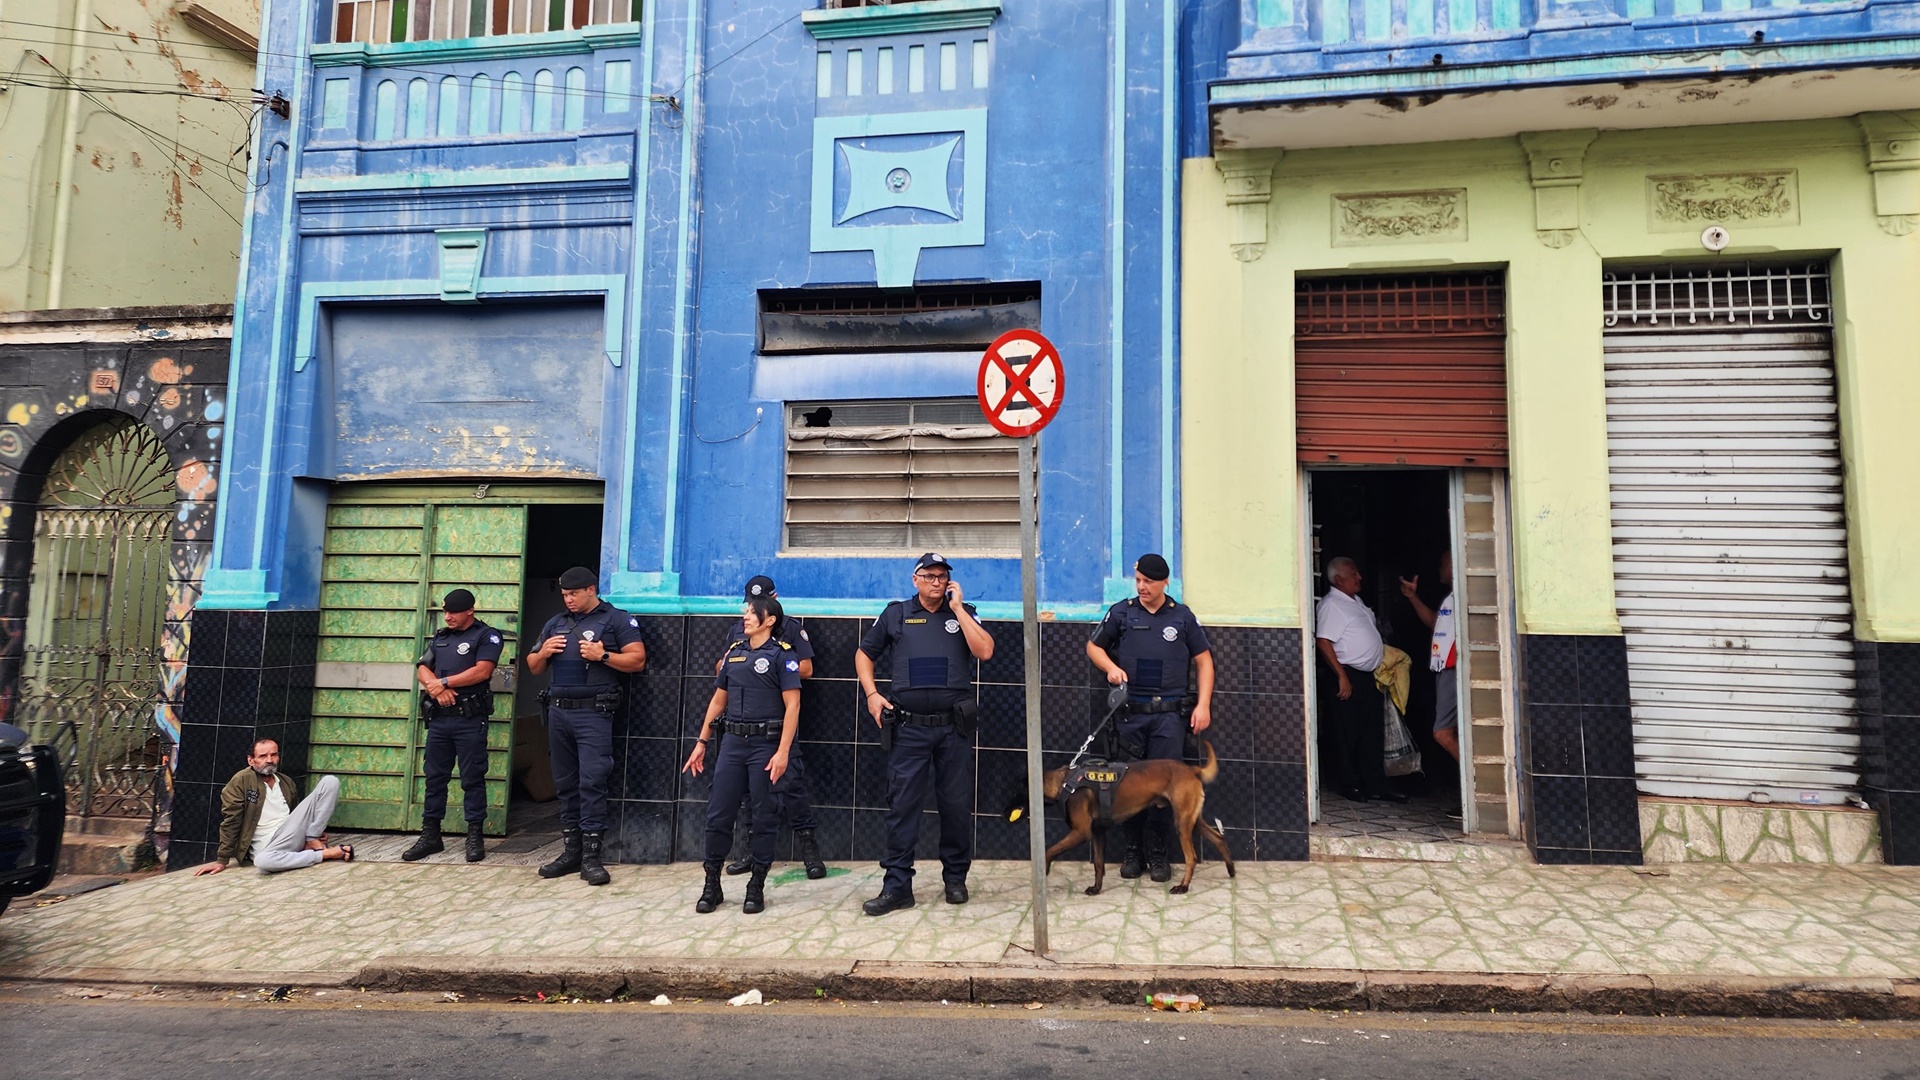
(1444, 657)
(264, 820)
(1350, 646)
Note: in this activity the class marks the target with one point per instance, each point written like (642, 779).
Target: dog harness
(1102, 777)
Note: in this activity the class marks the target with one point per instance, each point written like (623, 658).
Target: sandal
(348, 850)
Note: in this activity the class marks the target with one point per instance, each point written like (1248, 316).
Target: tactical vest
(1155, 666)
(1103, 777)
(753, 696)
(931, 651)
(443, 656)
(573, 676)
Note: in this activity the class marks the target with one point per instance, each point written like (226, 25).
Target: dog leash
(1116, 698)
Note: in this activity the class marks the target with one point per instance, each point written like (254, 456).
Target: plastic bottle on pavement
(1176, 1002)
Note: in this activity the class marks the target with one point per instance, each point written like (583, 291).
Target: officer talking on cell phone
(1145, 644)
(927, 722)
(589, 647)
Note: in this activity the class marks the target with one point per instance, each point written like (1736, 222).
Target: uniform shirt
(574, 676)
(755, 678)
(450, 652)
(932, 665)
(1152, 647)
(1348, 623)
(273, 811)
(792, 631)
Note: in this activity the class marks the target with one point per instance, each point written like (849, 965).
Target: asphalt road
(50, 1033)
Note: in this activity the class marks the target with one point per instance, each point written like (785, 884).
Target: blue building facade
(603, 265)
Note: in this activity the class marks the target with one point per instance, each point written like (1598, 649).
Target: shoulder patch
(633, 622)
(494, 638)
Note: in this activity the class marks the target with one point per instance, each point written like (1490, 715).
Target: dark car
(33, 814)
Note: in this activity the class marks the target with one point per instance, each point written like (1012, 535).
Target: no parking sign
(1021, 382)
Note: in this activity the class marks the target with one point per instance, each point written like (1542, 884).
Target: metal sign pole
(1030, 616)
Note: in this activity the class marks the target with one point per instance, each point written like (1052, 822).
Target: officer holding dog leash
(456, 699)
(589, 647)
(1145, 644)
(927, 722)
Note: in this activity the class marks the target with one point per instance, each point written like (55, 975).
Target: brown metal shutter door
(1406, 370)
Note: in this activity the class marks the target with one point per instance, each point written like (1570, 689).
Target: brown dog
(1154, 782)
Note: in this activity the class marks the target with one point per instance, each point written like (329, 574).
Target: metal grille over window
(381, 22)
(1741, 296)
(900, 477)
(1425, 304)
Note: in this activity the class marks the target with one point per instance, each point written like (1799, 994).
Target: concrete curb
(1388, 991)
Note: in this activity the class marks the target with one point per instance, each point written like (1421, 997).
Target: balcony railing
(381, 22)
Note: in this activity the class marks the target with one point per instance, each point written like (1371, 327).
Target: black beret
(1153, 567)
(579, 578)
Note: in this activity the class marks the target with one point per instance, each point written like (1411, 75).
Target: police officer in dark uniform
(758, 691)
(927, 722)
(1145, 644)
(455, 674)
(791, 793)
(589, 649)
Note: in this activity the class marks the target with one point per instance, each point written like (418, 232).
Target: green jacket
(240, 803)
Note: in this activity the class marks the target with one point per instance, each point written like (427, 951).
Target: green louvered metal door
(391, 553)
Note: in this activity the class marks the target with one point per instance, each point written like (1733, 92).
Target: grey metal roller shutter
(1730, 561)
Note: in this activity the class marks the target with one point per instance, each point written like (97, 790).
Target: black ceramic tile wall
(1888, 675)
(1576, 740)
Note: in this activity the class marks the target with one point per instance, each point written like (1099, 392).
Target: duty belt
(924, 719)
(754, 728)
(575, 702)
(1160, 705)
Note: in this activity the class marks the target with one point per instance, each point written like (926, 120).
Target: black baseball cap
(931, 559)
(1153, 567)
(759, 585)
(458, 600)
(579, 577)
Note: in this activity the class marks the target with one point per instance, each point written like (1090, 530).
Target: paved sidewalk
(334, 922)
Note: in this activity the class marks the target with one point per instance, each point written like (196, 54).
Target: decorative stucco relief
(1761, 197)
(1391, 217)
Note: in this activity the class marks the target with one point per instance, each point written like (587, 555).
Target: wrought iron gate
(96, 605)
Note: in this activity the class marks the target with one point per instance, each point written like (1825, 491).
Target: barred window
(900, 477)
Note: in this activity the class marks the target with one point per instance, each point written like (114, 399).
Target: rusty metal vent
(1424, 304)
(868, 320)
(1740, 296)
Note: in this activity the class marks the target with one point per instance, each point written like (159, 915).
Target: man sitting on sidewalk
(263, 820)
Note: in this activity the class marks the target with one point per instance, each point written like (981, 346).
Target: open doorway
(559, 536)
(1396, 524)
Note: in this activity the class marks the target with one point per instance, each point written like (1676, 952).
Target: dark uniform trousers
(1359, 732)
(580, 742)
(462, 739)
(929, 756)
(791, 796)
(1161, 735)
(742, 771)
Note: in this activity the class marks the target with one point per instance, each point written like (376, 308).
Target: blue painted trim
(639, 592)
(1117, 285)
(663, 603)
(235, 590)
(503, 47)
(463, 178)
(690, 121)
(314, 293)
(860, 376)
(1169, 302)
(827, 24)
(623, 556)
(1526, 74)
(896, 248)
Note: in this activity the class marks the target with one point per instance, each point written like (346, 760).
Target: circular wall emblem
(899, 180)
(760, 666)
(1170, 633)
(953, 626)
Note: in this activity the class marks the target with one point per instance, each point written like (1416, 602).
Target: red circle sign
(1021, 383)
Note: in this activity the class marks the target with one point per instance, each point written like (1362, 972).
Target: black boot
(591, 870)
(810, 855)
(740, 865)
(568, 860)
(476, 842)
(756, 892)
(1157, 867)
(710, 897)
(428, 844)
(1131, 865)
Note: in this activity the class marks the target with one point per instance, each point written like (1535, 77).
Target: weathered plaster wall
(1242, 504)
(157, 179)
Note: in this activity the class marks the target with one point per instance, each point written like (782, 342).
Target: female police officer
(758, 689)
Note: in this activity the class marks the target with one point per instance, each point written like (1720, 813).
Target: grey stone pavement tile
(1418, 916)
